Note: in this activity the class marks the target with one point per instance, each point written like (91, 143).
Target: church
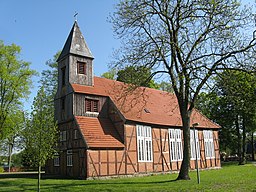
(108, 128)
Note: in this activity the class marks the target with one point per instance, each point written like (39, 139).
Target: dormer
(75, 64)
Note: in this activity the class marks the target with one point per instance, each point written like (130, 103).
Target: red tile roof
(99, 132)
(142, 104)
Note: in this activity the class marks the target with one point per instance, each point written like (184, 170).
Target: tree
(41, 133)
(14, 124)
(231, 104)
(136, 75)
(238, 88)
(15, 81)
(189, 41)
(111, 74)
(165, 86)
(50, 76)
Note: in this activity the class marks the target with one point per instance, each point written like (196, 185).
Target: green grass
(230, 178)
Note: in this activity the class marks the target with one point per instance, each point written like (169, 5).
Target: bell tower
(75, 61)
(75, 66)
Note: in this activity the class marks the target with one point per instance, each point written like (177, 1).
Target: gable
(142, 104)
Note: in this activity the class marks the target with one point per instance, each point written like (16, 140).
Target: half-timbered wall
(105, 162)
(110, 162)
(75, 143)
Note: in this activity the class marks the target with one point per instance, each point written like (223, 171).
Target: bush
(1, 169)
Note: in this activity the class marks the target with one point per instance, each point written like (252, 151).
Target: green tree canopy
(15, 82)
(232, 105)
(41, 131)
(188, 41)
(49, 76)
(111, 74)
(136, 75)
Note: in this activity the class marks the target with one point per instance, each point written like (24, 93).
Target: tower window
(91, 105)
(81, 68)
(63, 72)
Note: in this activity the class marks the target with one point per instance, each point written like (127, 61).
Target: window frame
(63, 135)
(63, 76)
(209, 144)
(69, 158)
(81, 68)
(91, 105)
(192, 145)
(144, 143)
(176, 145)
(56, 160)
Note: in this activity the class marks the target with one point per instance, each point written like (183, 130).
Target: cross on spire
(75, 16)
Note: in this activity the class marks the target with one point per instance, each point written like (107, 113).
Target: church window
(208, 144)
(69, 158)
(81, 67)
(194, 145)
(144, 143)
(56, 160)
(91, 105)
(63, 72)
(176, 144)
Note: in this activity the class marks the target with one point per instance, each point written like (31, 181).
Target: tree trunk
(238, 139)
(39, 178)
(253, 151)
(184, 170)
(243, 158)
(10, 147)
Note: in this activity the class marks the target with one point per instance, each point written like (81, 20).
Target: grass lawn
(230, 178)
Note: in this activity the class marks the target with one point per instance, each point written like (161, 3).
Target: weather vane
(75, 16)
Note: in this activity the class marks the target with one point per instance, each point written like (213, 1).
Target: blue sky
(41, 28)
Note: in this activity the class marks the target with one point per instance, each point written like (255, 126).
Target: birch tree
(188, 41)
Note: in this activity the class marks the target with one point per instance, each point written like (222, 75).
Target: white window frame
(192, 145)
(63, 136)
(69, 158)
(208, 144)
(144, 143)
(176, 148)
(56, 160)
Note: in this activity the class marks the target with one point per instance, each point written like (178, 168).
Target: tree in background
(232, 105)
(15, 82)
(239, 90)
(136, 75)
(189, 41)
(14, 125)
(49, 78)
(41, 132)
(111, 74)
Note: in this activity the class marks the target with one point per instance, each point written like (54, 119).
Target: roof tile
(142, 104)
(99, 132)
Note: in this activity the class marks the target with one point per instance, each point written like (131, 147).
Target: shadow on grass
(49, 182)
(229, 163)
(110, 183)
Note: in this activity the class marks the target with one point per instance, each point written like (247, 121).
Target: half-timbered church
(110, 129)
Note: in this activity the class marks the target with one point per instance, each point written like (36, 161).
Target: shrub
(1, 169)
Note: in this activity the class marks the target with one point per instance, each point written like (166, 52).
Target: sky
(41, 28)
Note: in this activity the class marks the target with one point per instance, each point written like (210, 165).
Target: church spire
(75, 44)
